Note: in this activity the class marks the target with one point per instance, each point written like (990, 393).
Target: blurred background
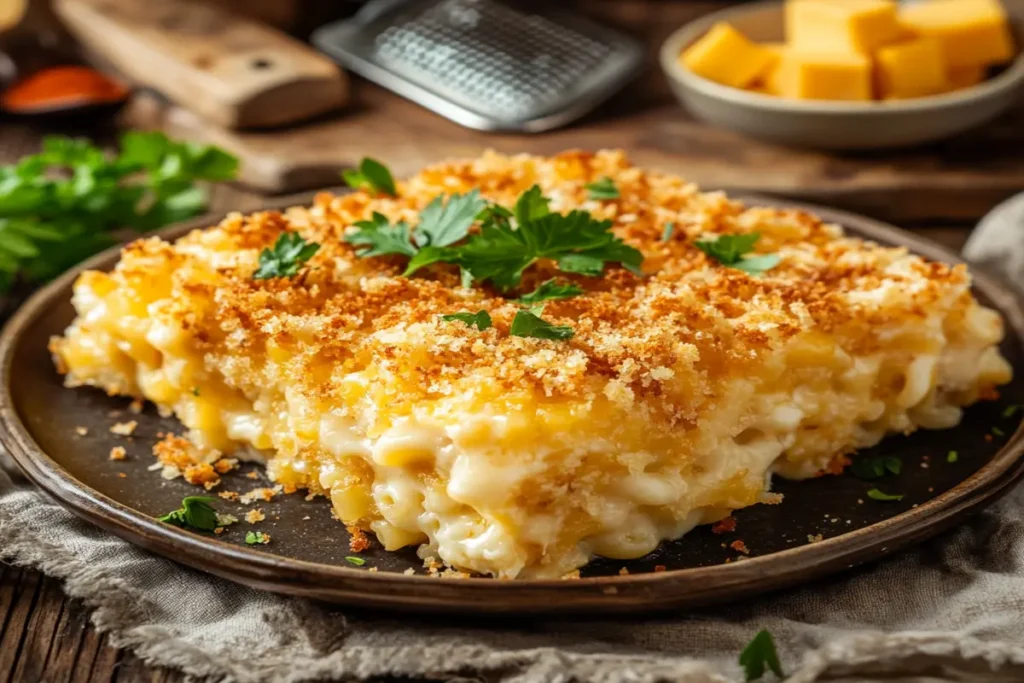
(907, 112)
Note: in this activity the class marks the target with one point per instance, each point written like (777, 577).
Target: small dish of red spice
(59, 89)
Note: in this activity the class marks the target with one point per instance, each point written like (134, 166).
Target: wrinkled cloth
(951, 609)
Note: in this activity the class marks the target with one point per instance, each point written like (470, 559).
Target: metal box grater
(483, 63)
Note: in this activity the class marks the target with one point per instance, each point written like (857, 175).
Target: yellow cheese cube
(972, 32)
(960, 77)
(726, 56)
(841, 25)
(770, 81)
(824, 76)
(912, 69)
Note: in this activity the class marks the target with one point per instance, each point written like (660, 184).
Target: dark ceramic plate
(307, 553)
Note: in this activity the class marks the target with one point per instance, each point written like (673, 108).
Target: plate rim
(602, 594)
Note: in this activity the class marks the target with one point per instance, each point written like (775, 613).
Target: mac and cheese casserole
(682, 390)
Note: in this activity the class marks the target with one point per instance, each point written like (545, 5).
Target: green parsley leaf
(254, 537)
(195, 512)
(1011, 410)
(59, 206)
(381, 237)
(729, 250)
(481, 319)
(357, 561)
(284, 260)
(530, 324)
(500, 254)
(952, 456)
(531, 205)
(371, 175)
(603, 189)
(759, 655)
(998, 432)
(445, 223)
(465, 278)
(666, 234)
(549, 291)
(875, 468)
(875, 494)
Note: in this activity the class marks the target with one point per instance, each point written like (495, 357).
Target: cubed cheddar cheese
(824, 76)
(847, 26)
(768, 82)
(960, 77)
(912, 69)
(726, 56)
(971, 32)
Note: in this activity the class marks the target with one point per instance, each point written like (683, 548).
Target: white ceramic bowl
(825, 124)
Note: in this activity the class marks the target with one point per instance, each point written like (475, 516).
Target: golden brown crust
(687, 313)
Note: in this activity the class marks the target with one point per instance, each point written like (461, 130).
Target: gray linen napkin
(950, 610)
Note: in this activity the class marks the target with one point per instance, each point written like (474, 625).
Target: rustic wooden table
(45, 637)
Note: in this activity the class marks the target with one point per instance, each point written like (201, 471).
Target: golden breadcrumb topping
(688, 315)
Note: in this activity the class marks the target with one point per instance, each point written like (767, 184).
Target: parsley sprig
(760, 655)
(371, 175)
(876, 468)
(60, 206)
(731, 250)
(254, 537)
(875, 494)
(603, 189)
(195, 512)
(481, 319)
(290, 252)
(528, 323)
(500, 252)
(550, 290)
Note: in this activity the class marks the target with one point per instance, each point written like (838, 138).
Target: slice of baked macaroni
(680, 393)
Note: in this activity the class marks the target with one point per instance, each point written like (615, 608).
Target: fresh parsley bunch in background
(61, 205)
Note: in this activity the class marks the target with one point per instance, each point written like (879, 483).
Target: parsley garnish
(357, 561)
(666, 234)
(577, 242)
(759, 655)
(531, 205)
(952, 456)
(481, 319)
(195, 512)
(875, 494)
(287, 256)
(998, 432)
(729, 250)
(603, 189)
(550, 290)
(382, 237)
(1011, 410)
(372, 175)
(254, 537)
(874, 468)
(500, 252)
(530, 324)
(59, 206)
(444, 223)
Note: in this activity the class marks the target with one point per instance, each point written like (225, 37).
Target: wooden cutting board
(958, 180)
